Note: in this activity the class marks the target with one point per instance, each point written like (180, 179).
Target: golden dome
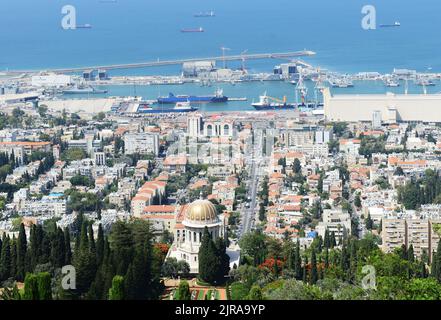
(201, 211)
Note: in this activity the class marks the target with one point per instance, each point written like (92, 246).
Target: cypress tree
(116, 292)
(91, 239)
(130, 284)
(184, 291)
(332, 240)
(314, 274)
(403, 252)
(13, 256)
(5, 259)
(67, 250)
(31, 287)
(410, 254)
(58, 249)
(344, 261)
(326, 239)
(326, 258)
(209, 262)
(45, 253)
(305, 270)
(423, 271)
(438, 262)
(84, 263)
(34, 245)
(21, 253)
(108, 269)
(353, 261)
(100, 245)
(433, 267)
(290, 253)
(224, 263)
(44, 286)
(122, 241)
(298, 262)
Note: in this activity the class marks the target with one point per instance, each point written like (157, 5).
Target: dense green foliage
(213, 259)
(328, 271)
(126, 263)
(422, 191)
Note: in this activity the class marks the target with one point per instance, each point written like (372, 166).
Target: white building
(51, 80)
(335, 221)
(142, 143)
(194, 125)
(376, 119)
(393, 107)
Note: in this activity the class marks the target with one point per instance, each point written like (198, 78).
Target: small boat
(341, 83)
(425, 82)
(391, 83)
(193, 30)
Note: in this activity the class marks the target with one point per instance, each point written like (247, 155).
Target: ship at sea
(218, 97)
(192, 30)
(178, 108)
(396, 24)
(210, 14)
(84, 26)
(83, 90)
(268, 103)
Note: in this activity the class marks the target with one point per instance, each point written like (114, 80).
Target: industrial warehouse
(390, 107)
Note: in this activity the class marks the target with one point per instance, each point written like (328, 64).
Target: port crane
(276, 99)
(301, 89)
(224, 49)
(243, 59)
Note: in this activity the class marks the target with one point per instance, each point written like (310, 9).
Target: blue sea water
(129, 31)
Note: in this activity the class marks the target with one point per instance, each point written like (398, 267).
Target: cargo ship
(218, 97)
(396, 24)
(83, 90)
(268, 103)
(178, 108)
(84, 26)
(192, 30)
(210, 14)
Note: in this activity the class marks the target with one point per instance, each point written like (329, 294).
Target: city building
(199, 215)
(393, 107)
(142, 143)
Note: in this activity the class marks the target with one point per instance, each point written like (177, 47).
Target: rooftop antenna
(223, 55)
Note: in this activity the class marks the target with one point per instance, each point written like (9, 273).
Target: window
(226, 130)
(209, 130)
